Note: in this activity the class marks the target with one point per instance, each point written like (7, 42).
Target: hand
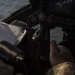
(59, 54)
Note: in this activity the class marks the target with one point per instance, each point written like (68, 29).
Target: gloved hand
(59, 54)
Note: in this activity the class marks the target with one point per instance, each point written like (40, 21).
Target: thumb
(53, 47)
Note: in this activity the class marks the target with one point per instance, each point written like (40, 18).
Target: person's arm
(61, 60)
(66, 68)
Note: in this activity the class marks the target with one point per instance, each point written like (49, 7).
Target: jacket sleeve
(66, 68)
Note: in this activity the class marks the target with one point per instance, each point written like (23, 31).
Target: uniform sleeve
(66, 68)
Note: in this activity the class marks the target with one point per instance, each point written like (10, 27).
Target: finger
(66, 53)
(63, 49)
(53, 47)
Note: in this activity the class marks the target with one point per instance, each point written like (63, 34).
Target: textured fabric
(66, 68)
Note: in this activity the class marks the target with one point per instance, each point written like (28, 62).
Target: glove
(59, 54)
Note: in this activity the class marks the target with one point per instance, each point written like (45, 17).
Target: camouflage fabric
(66, 68)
